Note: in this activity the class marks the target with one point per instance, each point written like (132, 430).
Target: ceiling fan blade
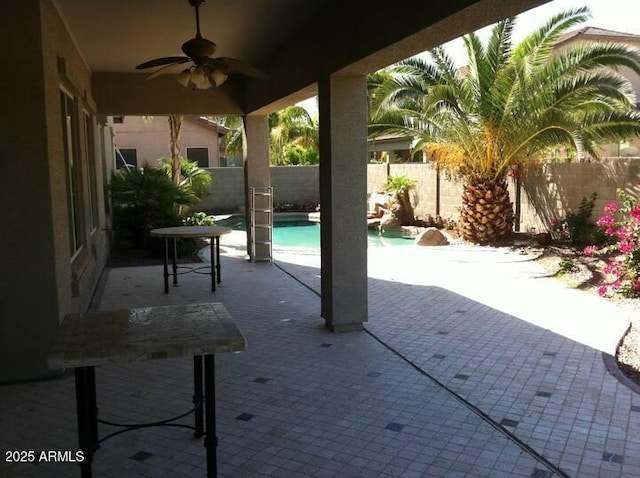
(165, 69)
(242, 68)
(163, 61)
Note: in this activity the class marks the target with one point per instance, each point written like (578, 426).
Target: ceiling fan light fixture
(200, 78)
(205, 70)
(184, 77)
(218, 76)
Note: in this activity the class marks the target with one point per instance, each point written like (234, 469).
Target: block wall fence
(550, 192)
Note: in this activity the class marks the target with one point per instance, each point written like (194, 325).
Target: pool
(299, 232)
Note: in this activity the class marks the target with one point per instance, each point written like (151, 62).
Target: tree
(293, 136)
(144, 199)
(495, 116)
(193, 178)
(175, 125)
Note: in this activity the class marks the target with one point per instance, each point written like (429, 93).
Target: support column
(255, 136)
(343, 201)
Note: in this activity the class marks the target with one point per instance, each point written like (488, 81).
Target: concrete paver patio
(473, 364)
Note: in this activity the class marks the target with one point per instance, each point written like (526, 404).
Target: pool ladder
(261, 224)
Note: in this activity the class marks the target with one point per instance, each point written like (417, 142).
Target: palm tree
(292, 127)
(231, 143)
(510, 103)
(175, 126)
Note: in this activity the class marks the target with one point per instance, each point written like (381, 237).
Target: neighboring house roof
(390, 142)
(593, 33)
(221, 130)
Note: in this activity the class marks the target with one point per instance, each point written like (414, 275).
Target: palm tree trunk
(487, 212)
(175, 125)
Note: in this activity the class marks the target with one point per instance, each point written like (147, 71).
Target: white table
(132, 335)
(175, 233)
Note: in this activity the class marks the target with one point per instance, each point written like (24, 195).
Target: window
(72, 163)
(199, 155)
(126, 158)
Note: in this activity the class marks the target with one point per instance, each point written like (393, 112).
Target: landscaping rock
(431, 237)
(391, 220)
(544, 238)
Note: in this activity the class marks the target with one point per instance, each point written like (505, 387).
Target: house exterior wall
(42, 280)
(150, 138)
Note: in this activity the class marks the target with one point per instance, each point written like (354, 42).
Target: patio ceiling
(116, 35)
(295, 41)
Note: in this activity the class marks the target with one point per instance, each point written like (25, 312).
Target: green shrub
(295, 154)
(576, 226)
(144, 199)
(194, 179)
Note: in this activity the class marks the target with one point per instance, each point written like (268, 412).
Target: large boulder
(377, 204)
(390, 220)
(431, 236)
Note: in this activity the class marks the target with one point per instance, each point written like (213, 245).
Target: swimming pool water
(303, 233)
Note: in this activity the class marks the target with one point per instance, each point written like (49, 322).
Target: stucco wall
(41, 279)
(150, 138)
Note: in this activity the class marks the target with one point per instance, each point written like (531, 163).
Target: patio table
(87, 340)
(175, 233)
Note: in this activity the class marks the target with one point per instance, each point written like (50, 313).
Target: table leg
(198, 396)
(210, 439)
(93, 407)
(213, 264)
(84, 413)
(165, 263)
(175, 261)
(218, 258)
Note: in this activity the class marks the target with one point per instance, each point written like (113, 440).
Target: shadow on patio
(441, 385)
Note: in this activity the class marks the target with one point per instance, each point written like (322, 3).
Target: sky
(617, 15)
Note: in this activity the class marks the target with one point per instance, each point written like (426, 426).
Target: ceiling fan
(205, 70)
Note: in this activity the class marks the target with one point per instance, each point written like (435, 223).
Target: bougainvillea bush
(621, 225)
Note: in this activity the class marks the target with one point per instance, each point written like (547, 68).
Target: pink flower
(605, 221)
(602, 290)
(621, 232)
(610, 231)
(635, 213)
(554, 222)
(626, 247)
(636, 285)
(611, 208)
(590, 250)
(613, 268)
